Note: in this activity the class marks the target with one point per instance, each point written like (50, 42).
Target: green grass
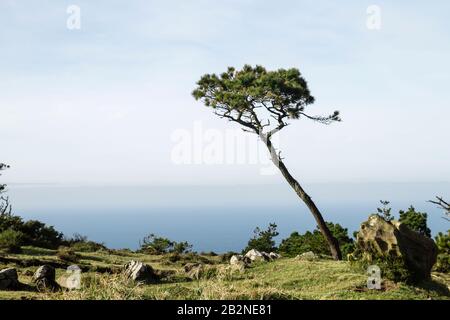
(281, 279)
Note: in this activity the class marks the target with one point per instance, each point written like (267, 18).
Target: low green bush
(443, 259)
(67, 254)
(88, 246)
(33, 232)
(11, 241)
(392, 267)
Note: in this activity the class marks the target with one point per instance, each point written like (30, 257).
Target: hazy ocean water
(212, 218)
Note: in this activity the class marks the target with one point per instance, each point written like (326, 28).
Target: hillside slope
(285, 278)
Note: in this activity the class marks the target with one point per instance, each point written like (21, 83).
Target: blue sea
(212, 218)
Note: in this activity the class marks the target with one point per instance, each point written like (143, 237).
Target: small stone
(274, 255)
(307, 256)
(140, 272)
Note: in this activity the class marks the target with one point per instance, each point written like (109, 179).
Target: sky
(110, 103)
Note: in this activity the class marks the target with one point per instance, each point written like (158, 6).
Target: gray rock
(9, 279)
(255, 255)
(240, 260)
(307, 256)
(44, 278)
(274, 255)
(140, 272)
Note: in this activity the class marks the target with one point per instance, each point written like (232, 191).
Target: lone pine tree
(263, 102)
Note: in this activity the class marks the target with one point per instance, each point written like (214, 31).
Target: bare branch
(442, 204)
(324, 120)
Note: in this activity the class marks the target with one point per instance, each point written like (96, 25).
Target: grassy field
(286, 278)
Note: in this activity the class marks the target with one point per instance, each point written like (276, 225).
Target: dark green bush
(443, 259)
(181, 247)
(38, 234)
(416, 221)
(11, 241)
(35, 233)
(392, 268)
(314, 241)
(443, 263)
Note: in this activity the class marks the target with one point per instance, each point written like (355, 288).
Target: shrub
(443, 242)
(67, 254)
(38, 234)
(263, 239)
(443, 263)
(88, 246)
(158, 245)
(155, 245)
(392, 268)
(82, 244)
(443, 259)
(11, 241)
(385, 211)
(35, 233)
(416, 221)
(209, 253)
(181, 247)
(190, 257)
(172, 257)
(314, 241)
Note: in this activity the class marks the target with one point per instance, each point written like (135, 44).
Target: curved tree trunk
(332, 242)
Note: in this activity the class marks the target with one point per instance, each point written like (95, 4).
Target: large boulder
(9, 279)
(139, 272)
(44, 278)
(380, 238)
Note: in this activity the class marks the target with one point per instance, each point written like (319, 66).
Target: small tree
(160, 245)
(263, 102)
(385, 211)
(263, 239)
(155, 244)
